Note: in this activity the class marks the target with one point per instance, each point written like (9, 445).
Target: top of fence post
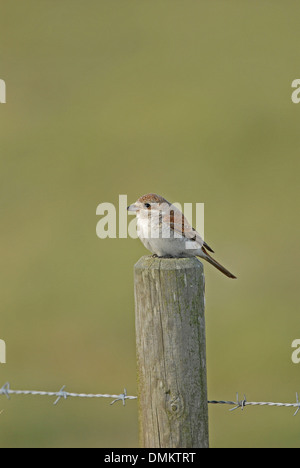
(171, 355)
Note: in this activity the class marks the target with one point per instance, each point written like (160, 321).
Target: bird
(164, 230)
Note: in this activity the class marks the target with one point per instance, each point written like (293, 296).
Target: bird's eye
(147, 205)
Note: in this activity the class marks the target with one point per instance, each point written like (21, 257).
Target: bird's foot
(162, 256)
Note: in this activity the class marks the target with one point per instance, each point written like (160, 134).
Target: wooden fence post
(171, 353)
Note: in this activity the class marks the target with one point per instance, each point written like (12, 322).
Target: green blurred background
(191, 100)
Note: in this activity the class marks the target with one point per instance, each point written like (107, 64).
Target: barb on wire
(239, 404)
(297, 410)
(242, 403)
(122, 397)
(7, 391)
(61, 394)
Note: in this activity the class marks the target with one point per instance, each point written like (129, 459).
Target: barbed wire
(7, 391)
(243, 403)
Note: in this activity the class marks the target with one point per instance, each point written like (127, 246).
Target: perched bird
(165, 231)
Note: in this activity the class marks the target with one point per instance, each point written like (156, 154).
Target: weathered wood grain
(171, 353)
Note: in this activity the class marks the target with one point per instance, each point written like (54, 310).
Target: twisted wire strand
(7, 391)
(243, 403)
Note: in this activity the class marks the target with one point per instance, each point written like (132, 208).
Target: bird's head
(150, 203)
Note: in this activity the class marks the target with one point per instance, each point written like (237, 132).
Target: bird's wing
(179, 224)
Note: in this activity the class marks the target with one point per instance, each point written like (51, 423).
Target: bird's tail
(217, 265)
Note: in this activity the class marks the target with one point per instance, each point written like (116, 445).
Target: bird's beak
(133, 208)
